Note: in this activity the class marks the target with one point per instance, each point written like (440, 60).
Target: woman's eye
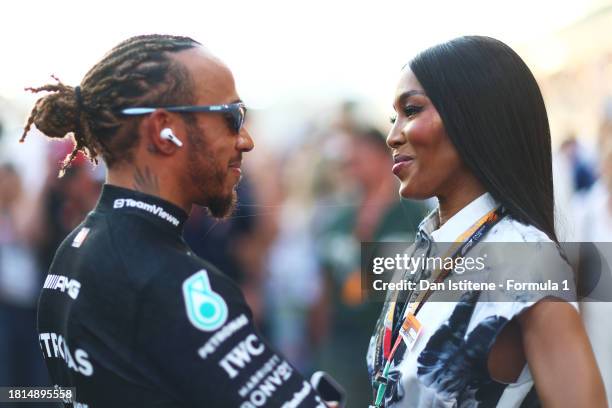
(411, 110)
(408, 111)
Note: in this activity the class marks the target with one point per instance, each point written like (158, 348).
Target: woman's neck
(457, 198)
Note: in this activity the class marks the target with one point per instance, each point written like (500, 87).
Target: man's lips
(235, 165)
(401, 161)
(237, 162)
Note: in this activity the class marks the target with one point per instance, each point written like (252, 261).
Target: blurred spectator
(574, 174)
(294, 282)
(66, 200)
(593, 222)
(20, 280)
(582, 172)
(375, 213)
(593, 209)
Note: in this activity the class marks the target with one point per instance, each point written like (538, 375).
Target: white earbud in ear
(167, 134)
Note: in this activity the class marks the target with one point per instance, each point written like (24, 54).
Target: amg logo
(151, 208)
(63, 284)
(240, 355)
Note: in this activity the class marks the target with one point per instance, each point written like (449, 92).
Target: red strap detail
(387, 343)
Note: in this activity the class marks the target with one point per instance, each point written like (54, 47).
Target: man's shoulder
(195, 301)
(118, 246)
(191, 276)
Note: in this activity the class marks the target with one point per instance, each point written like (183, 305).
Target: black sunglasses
(235, 112)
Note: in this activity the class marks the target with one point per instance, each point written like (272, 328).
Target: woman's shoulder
(526, 264)
(509, 229)
(515, 246)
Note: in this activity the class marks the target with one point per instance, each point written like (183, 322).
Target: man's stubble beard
(210, 180)
(222, 207)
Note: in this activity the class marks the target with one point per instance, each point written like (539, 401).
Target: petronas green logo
(206, 310)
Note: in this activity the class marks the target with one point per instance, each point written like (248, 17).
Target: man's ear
(156, 138)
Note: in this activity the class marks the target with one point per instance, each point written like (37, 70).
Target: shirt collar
(154, 209)
(458, 223)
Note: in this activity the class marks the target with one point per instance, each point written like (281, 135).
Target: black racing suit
(132, 318)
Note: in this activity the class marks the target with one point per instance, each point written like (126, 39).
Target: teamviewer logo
(119, 203)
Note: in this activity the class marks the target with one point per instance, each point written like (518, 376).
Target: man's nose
(245, 141)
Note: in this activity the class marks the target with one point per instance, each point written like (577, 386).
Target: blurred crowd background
(315, 186)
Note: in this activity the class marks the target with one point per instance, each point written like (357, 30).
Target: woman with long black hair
(471, 129)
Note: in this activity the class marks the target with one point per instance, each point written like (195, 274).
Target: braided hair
(138, 71)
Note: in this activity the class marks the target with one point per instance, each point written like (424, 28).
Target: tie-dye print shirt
(447, 366)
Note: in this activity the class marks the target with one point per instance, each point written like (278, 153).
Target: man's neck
(145, 179)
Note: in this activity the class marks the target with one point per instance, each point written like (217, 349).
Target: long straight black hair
(494, 114)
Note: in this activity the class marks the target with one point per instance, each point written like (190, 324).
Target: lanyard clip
(380, 382)
(380, 379)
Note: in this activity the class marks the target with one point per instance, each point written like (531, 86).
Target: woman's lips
(401, 162)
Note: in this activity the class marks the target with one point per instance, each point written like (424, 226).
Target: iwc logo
(206, 310)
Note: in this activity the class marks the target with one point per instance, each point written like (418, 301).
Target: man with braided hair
(128, 314)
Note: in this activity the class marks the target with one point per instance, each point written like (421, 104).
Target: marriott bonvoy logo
(152, 208)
